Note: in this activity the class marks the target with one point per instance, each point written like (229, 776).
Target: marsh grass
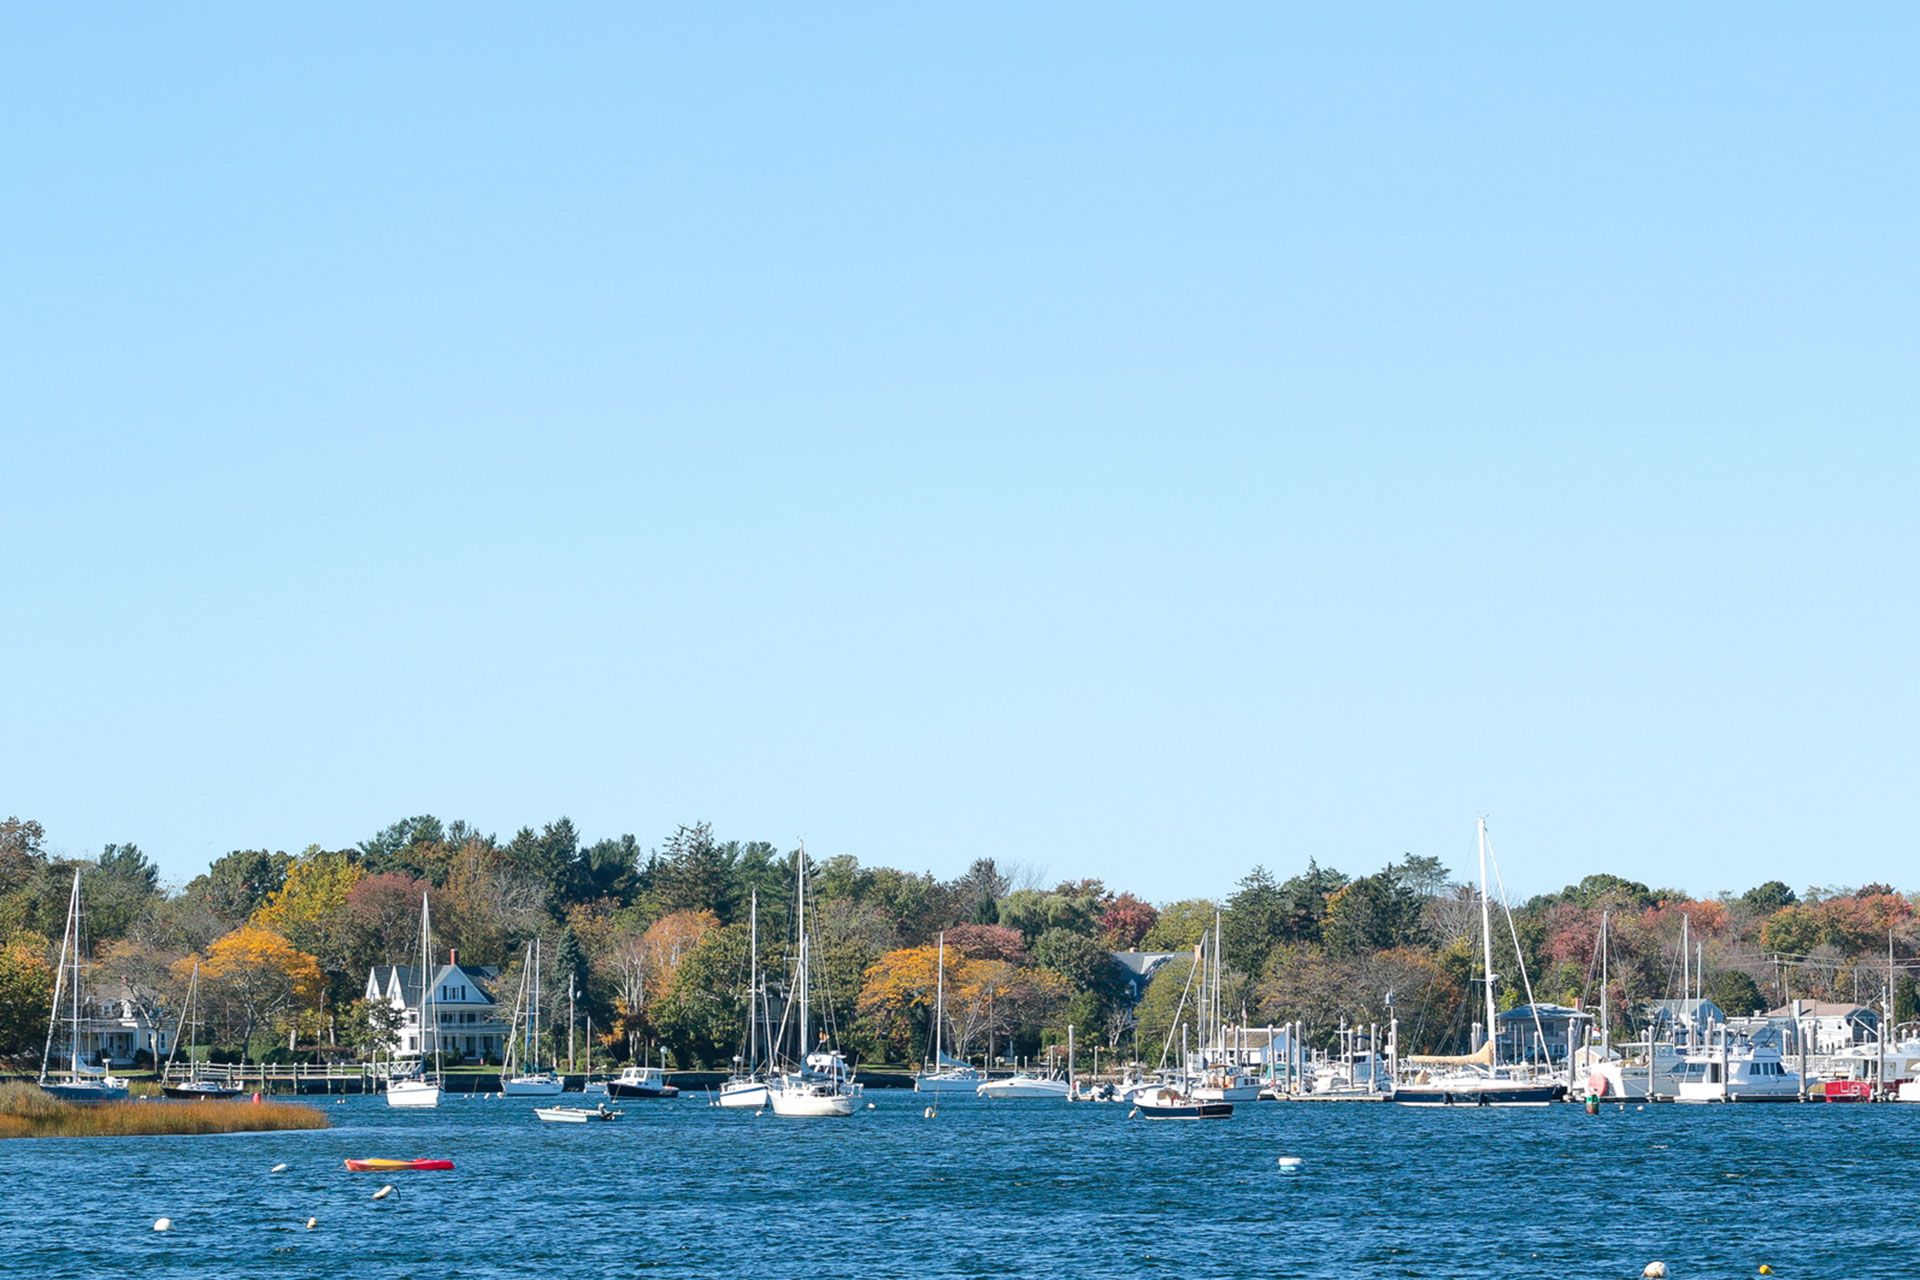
(26, 1112)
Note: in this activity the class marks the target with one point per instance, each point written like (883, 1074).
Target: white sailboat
(81, 1084)
(747, 1087)
(1478, 1078)
(424, 1090)
(1219, 1073)
(943, 1074)
(531, 1080)
(822, 1084)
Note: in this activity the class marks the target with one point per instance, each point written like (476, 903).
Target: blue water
(1003, 1188)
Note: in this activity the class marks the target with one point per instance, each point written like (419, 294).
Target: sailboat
(747, 1087)
(1219, 1073)
(1478, 1078)
(822, 1084)
(196, 1087)
(943, 1074)
(81, 1085)
(423, 1091)
(531, 1081)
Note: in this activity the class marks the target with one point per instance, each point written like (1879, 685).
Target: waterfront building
(466, 1015)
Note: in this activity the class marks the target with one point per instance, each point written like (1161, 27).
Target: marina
(1027, 1191)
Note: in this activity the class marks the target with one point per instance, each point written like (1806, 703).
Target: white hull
(791, 1103)
(413, 1093)
(1226, 1093)
(1023, 1087)
(948, 1082)
(540, 1086)
(594, 1089)
(574, 1115)
(742, 1094)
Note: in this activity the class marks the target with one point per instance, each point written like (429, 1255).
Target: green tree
(1256, 920)
(1179, 926)
(1154, 1016)
(1736, 993)
(1764, 900)
(1082, 961)
(26, 993)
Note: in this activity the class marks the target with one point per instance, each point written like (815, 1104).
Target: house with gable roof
(466, 1019)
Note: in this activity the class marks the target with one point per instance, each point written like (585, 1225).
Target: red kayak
(396, 1166)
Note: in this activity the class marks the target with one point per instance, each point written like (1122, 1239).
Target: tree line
(652, 943)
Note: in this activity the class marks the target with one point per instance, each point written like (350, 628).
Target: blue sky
(1134, 442)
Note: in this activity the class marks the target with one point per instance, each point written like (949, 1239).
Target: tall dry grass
(26, 1112)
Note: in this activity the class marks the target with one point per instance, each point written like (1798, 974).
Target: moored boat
(577, 1115)
(1172, 1104)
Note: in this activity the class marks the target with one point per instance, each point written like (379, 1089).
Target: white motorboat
(577, 1115)
(1024, 1085)
(1736, 1073)
(423, 1091)
(742, 1093)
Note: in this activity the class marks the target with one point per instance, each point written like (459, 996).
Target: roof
(384, 975)
(1526, 1012)
(1822, 1009)
(1142, 963)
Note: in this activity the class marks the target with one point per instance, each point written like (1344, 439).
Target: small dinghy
(1170, 1104)
(397, 1166)
(576, 1115)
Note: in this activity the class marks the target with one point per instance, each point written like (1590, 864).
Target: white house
(114, 1026)
(1830, 1026)
(465, 1017)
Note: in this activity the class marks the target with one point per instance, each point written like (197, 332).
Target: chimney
(453, 956)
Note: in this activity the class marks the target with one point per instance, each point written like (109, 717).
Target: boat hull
(946, 1082)
(1493, 1094)
(742, 1095)
(575, 1115)
(787, 1103)
(1056, 1089)
(85, 1092)
(413, 1094)
(532, 1087)
(377, 1165)
(617, 1090)
(208, 1092)
(1185, 1110)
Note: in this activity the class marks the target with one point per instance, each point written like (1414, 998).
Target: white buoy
(163, 1224)
(929, 1113)
(383, 1193)
(312, 1223)
(869, 1106)
(1292, 1164)
(279, 1168)
(1654, 1271)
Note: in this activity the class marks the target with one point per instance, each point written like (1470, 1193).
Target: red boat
(397, 1166)
(1848, 1091)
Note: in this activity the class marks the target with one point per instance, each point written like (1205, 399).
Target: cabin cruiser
(641, 1082)
(1736, 1073)
(1024, 1085)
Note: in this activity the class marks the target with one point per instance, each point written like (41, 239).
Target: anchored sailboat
(747, 1087)
(941, 1073)
(423, 1091)
(1478, 1078)
(822, 1084)
(196, 1087)
(531, 1080)
(81, 1084)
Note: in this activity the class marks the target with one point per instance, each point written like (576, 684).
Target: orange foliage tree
(251, 977)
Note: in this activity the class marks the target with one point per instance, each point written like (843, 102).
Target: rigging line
(1513, 930)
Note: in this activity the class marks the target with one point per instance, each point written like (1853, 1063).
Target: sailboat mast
(800, 983)
(426, 980)
(1606, 1021)
(1486, 928)
(940, 998)
(68, 940)
(753, 981)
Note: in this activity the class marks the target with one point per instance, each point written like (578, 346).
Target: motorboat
(1024, 1085)
(1736, 1073)
(1171, 1104)
(641, 1082)
(577, 1115)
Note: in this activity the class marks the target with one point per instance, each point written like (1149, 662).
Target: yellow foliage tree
(252, 976)
(898, 983)
(310, 907)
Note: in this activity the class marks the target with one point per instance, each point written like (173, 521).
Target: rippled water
(1001, 1188)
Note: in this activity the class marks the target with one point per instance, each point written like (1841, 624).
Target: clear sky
(1138, 442)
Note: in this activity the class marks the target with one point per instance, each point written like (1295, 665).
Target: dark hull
(203, 1092)
(1517, 1095)
(1186, 1111)
(617, 1090)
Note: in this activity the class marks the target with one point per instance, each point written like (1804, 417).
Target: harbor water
(986, 1188)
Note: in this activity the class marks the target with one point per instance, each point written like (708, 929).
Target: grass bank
(26, 1112)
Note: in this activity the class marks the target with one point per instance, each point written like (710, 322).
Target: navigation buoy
(1292, 1164)
(386, 1191)
(163, 1224)
(279, 1168)
(312, 1223)
(1654, 1271)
